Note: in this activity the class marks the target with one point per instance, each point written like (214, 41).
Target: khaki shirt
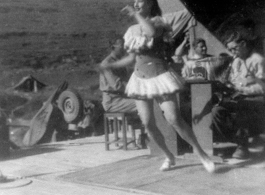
(113, 80)
(112, 84)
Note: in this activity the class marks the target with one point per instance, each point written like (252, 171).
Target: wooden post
(201, 94)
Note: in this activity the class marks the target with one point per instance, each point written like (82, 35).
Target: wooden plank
(201, 94)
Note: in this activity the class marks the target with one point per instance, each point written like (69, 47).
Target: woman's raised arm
(146, 25)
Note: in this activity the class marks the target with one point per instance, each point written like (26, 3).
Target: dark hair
(238, 35)
(155, 9)
(197, 41)
(233, 36)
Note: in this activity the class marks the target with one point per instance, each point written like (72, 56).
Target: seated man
(197, 64)
(245, 74)
(112, 85)
(113, 82)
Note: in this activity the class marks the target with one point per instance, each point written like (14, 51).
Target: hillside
(58, 40)
(44, 33)
(55, 41)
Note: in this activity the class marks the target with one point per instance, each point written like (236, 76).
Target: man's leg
(222, 124)
(251, 115)
(226, 128)
(120, 104)
(250, 122)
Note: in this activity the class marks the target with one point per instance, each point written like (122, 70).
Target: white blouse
(172, 23)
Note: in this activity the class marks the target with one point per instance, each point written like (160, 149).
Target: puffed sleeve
(135, 40)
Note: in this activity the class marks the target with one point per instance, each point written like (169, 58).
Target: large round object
(71, 104)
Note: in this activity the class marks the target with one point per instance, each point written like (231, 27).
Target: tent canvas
(214, 17)
(29, 84)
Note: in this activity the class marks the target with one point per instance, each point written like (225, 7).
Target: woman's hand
(129, 9)
(145, 23)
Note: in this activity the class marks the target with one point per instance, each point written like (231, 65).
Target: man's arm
(126, 61)
(182, 51)
(253, 84)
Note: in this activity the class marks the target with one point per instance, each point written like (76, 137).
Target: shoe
(241, 152)
(167, 164)
(208, 165)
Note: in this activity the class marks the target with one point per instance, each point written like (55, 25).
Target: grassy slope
(54, 41)
(39, 33)
(57, 40)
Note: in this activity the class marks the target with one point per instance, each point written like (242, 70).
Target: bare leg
(146, 112)
(173, 116)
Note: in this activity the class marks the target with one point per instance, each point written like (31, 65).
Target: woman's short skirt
(166, 83)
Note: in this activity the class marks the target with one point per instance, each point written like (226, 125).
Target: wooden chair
(115, 122)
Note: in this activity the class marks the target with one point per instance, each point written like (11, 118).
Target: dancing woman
(152, 79)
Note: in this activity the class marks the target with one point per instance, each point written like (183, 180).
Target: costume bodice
(150, 58)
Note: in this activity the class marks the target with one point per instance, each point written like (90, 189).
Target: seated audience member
(113, 82)
(245, 75)
(112, 85)
(197, 63)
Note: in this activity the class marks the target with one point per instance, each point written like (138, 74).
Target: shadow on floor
(16, 154)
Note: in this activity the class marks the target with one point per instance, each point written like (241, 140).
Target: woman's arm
(126, 61)
(146, 25)
(148, 28)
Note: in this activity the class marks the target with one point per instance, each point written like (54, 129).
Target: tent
(29, 84)
(215, 17)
